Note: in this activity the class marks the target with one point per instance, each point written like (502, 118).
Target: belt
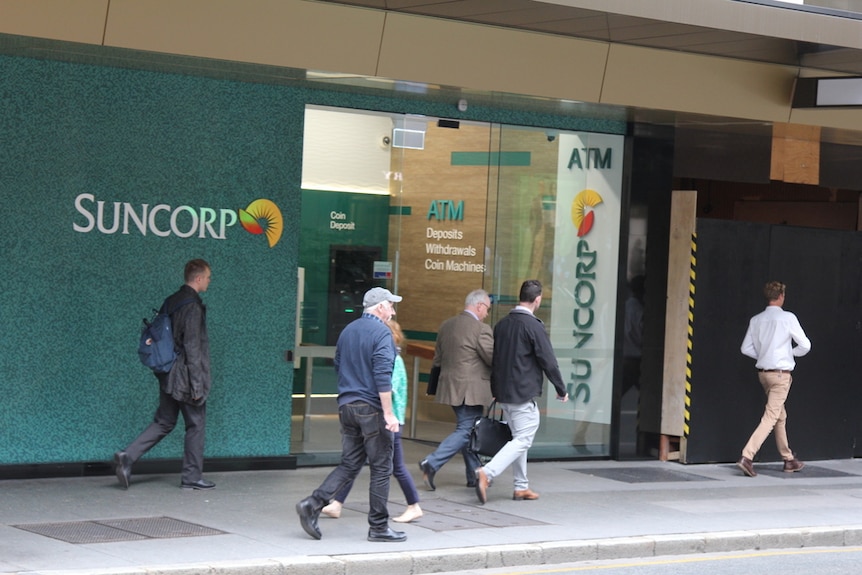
(774, 370)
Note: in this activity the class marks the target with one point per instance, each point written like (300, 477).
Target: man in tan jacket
(465, 347)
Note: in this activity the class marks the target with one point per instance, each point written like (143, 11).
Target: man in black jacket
(185, 388)
(522, 354)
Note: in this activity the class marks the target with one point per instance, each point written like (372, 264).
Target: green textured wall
(71, 303)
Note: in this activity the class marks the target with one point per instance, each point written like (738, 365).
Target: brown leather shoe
(746, 466)
(525, 494)
(481, 485)
(791, 465)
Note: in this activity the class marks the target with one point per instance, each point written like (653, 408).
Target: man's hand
(563, 398)
(391, 422)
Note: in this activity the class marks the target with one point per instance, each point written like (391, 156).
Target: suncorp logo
(260, 217)
(263, 216)
(583, 219)
(584, 291)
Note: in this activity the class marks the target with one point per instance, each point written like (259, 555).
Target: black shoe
(471, 485)
(123, 468)
(427, 475)
(199, 484)
(386, 535)
(308, 516)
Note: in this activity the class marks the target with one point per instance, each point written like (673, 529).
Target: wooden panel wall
(519, 237)
(683, 222)
(430, 295)
(795, 154)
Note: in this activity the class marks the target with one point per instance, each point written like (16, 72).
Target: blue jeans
(399, 470)
(364, 437)
(458, 440)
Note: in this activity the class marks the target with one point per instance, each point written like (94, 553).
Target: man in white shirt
(769, 340)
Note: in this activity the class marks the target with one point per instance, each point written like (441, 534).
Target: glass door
(432, 208)
(442, 226)
(350, 187)
(557, 215)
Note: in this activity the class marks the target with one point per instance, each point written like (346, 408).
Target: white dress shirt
(770, 338)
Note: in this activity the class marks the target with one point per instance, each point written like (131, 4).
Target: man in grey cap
(364, 357)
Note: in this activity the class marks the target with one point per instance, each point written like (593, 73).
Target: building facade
(310, 150)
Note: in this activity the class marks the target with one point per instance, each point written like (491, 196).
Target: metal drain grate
(112, 530)
(642, 474)
(809, 472)
(442, 516)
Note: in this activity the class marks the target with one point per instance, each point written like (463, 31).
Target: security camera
(551, 136)
(386, 141)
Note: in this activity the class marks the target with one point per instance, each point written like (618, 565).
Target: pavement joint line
(393, 562)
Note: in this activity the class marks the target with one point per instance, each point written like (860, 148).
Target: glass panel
(393, 200)
(442, 254)
(349, 188)
(557, 220)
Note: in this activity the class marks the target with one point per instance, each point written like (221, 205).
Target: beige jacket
(464, 349)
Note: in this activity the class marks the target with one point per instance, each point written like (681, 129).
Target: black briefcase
(489, 434)
(433, 378)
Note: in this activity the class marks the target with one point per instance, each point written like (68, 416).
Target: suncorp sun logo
(263, 216)
(162, 220)
(582, 218)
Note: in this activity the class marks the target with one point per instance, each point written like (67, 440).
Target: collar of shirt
(523, 309)
(372, 316)
(473, 314)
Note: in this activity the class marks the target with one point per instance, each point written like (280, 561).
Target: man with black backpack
(184, 389)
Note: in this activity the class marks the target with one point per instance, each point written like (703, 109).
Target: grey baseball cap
(376, 295)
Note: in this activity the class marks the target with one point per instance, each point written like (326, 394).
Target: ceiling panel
(591, 28)
(545, 15)
(557, 18)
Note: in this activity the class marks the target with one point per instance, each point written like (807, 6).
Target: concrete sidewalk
(587, 510)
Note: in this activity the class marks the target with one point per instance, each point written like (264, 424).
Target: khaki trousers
(776, 385)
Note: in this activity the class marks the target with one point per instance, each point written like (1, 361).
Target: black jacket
(522, 353)
(189, 379)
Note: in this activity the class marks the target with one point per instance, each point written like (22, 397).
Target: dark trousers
(399, 470)
(363, 438)
(458, 441)
(164, 421)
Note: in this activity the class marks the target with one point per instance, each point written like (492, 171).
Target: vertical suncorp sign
(586, 251)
